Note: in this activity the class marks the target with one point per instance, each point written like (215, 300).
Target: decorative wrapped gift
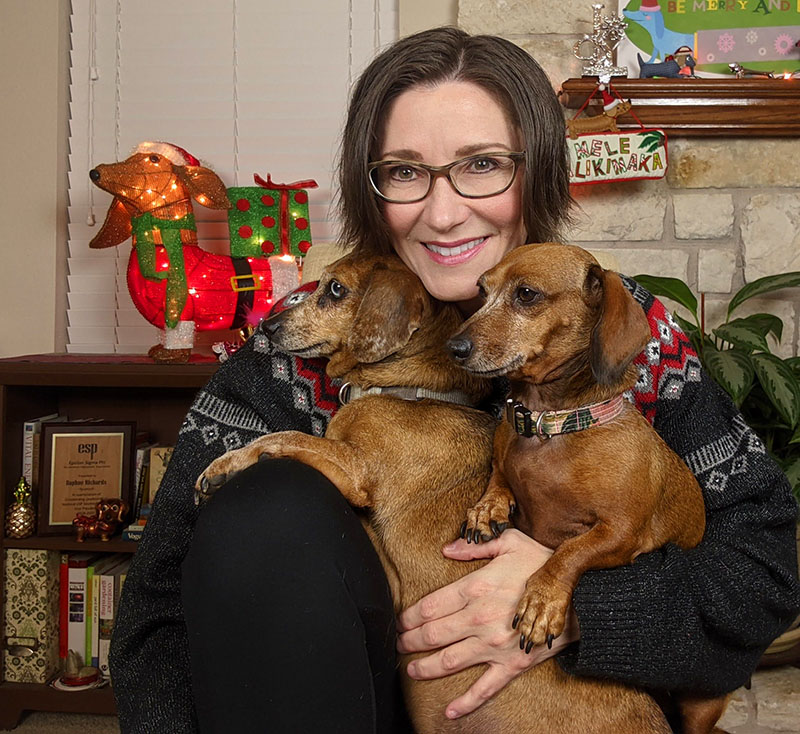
(269, 219)
(30, 652)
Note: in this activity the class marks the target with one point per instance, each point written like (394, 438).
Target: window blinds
(246, 86)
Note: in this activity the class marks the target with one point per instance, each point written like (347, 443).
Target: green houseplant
(736, 354)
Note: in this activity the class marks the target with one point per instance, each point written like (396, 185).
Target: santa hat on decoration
(177, 155)
(609, 102)
(649, 6)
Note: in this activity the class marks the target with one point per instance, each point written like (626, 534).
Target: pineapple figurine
(20, 518)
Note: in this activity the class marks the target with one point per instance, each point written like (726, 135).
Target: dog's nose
(271, 326)
(94, 174)
(460, 347)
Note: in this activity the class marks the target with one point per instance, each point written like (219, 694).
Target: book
(31, 433)
(141, 480)
(31, 611)
(93, 574)
(133, 532)
(159, 459)
(77, 565)
(109, 599)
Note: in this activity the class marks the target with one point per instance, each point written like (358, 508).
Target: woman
(290, 624)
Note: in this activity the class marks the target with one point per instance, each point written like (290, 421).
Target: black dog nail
(550, 639)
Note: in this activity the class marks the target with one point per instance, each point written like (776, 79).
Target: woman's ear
(391, 310)
(621, 331)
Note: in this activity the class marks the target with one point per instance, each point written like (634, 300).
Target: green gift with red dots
(270, 219)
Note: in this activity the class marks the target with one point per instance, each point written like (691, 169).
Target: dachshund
(386, 338)
(605, 121)
(153, 191)
(584, 471)
(109, 515)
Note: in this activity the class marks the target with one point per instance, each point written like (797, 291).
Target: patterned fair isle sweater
(693, 620)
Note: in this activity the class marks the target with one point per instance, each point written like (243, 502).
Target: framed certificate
(82, 463)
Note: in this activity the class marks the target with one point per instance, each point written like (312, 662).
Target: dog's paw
(227, 466)
(541, 612)
(486, 520)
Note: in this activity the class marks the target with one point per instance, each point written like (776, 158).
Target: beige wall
(33, 60)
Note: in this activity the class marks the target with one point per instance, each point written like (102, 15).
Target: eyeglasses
(474, 177)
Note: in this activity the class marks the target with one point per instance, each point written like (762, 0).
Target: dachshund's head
(112, 509)
(363, 310)
(148, 181)
(550, 313)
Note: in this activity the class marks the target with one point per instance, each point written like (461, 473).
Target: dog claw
(204, 484)
(515, 622)
(522, 642)
(550, 639)
(217, 481)
(463, 532)
(529, 647)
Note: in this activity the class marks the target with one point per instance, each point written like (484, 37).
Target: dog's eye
(154, 159)
(336, 289)
(527, 295)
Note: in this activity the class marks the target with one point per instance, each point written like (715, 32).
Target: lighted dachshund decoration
(170, 277)
(109, 515)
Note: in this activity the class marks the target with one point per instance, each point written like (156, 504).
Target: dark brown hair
(430, 57)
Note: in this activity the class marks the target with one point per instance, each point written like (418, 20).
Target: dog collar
(349, 392)
(548, 423)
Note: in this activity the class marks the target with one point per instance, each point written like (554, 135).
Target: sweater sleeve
(695, 620)
(256, 391)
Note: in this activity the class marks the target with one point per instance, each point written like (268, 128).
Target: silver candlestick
(606, 35)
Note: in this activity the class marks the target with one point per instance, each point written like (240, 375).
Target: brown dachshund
(418, 466)
(605, 121)
(589, 477)
(153, 191)
(109, 515)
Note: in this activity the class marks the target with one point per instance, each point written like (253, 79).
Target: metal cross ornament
(607, 33)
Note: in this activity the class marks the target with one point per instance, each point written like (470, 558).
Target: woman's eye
(527, 295)
(482, 165)
(336, 289)
(403, 173)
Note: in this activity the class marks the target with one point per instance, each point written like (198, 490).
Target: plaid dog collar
(549, 423)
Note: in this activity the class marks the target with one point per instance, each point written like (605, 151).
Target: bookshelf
(116, 387)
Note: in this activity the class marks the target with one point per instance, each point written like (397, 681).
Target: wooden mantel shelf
(700, 107)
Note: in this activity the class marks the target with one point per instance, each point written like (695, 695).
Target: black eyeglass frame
(437, 171)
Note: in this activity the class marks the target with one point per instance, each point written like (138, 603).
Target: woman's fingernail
(451, 714)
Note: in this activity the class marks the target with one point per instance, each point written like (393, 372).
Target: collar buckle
(344, 393)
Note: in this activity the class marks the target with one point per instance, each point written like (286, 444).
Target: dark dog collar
(549, 423)
(349, 392)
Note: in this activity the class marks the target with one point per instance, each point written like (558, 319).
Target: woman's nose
(445, 207)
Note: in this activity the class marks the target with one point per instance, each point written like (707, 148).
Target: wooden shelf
(700, 107)
(68, 543)
(15, 698)
(116, 387)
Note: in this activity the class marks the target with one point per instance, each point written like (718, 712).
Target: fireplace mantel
(699, 107)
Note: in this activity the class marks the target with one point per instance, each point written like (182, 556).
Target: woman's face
(437, 125)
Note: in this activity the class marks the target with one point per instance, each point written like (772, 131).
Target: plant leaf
(766, 322)
(795, 437)
(794, 365)
(741, 334)
(671, 288)
(732, 370)
(792, 469)
(763, 285)
(780, 385)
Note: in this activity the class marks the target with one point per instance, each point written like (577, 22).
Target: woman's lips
(456, 252)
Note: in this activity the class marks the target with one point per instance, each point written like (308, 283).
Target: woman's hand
(469, 621)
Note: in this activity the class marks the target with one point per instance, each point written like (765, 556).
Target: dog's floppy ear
(204, 186)
(391, 310)
(117, 227)
(622, 329)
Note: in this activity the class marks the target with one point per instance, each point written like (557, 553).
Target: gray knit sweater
(694, 620)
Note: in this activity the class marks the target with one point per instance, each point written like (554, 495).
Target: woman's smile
(454, 253)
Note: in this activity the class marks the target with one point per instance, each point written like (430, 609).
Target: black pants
(290, 620)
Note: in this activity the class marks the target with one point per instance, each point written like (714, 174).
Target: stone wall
(728, 211)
